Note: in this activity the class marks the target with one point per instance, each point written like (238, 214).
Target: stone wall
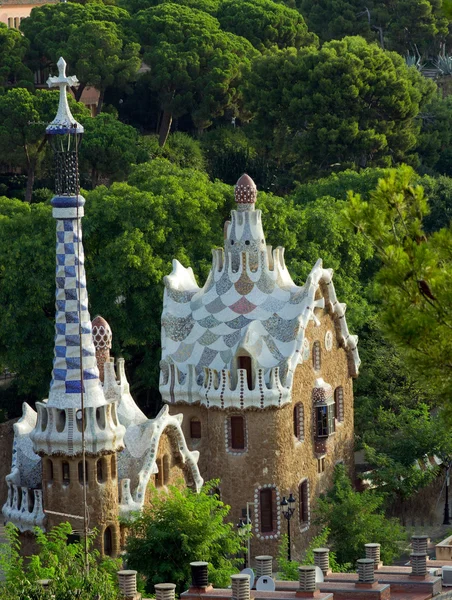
(273, 457)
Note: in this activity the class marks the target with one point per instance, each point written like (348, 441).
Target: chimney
(373, 552)
(128, 584)
(264, 566)
(419, 544)
(365, 570)
(418, 564)
(165, 591)
(322, 559)
(306, 579)
(240, 587)
(199, 574)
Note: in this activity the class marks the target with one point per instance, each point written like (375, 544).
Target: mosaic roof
(249, 306)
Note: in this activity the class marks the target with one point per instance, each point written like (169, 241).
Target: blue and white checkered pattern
(65, 387)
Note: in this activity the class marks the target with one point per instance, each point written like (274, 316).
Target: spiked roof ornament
(64, 122)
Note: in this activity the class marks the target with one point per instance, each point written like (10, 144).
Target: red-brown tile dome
(245, 190)
(101, 333)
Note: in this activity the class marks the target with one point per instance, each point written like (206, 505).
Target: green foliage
(354, 518)
(179, 527)
(266, 24)
(180, 149)
(436, 136)
(23, 119)
(208, 6)
(13, 47)
(196, 67)
(109, 148)
(93, 38)
(346, 105)
(59, 561)
(414, 279)
(335, 19)
(439, 193)
(288, 569)
(228, 153)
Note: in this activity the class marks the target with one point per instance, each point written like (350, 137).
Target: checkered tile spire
(71, 294)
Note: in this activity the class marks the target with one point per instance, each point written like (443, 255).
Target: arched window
(81, 477)
(267, 509)
(49, 471)
(65, 472)
(303, 496)
(298, 421)
(236, 432)
(108, 541)
(316, 356)
(244, 362)
(100, 467)
(339, 403)
(195, 429)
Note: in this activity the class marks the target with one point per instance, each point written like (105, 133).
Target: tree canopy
(196, 67)
(347, 104)
(13, 47)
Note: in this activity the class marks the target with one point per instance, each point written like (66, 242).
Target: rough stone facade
(273, 456)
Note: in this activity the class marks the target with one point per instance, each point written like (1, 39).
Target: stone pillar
(240, 587)
(365, 570)
(306, 579)
(128, 584)
(418, 564)
(373, 552)
(264, 566)
(322, 559)
(165, 591)
(199, 574)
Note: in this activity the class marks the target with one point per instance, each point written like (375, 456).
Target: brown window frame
(237, 437)
(245, 362)
(195, 429)
(267, 510)
(303, 499)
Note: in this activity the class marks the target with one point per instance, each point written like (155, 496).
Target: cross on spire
(64, 122)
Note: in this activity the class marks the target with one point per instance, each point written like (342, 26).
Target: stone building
(88, 449)
(261, 370)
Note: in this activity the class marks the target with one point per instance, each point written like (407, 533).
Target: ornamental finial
(245, 190)
(64, 122)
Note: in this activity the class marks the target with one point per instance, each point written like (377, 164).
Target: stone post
(419, 544)
(240, 587)
(264, 566)
(128, 583)
(418, 564)
(306, 579)
(322, 559)
(199, 574)
(165, 591)
(373, 552)
(365, 570)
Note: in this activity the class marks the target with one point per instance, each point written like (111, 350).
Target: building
(261, 369)
(88, 449)
(13, 11)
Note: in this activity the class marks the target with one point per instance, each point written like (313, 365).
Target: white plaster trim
(257, 530)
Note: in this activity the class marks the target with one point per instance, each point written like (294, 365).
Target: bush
(355, 519)
(59, 561)
(179, 527)
(229, 153)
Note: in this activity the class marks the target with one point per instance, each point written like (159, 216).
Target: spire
(64, 122)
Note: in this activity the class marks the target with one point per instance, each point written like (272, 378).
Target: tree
(196, 67)
(109, 149)
(354, 519)
(23, 118)
(346, 105)
(179, 527)
(13, 47)
(335, 19)
(266, 24)
(93, 38)
(414, 280)
(436, 136)
(208, 6)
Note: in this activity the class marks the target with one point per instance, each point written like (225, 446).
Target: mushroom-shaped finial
(102, 342)
(245, 190)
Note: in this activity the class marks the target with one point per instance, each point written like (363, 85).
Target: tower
(77, 432)
(261, 370)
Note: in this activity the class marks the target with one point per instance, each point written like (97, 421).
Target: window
(49, 471)
(266, 506)
(195, 429)
(303, 495)
(320, 465)
(108, 542)
(166, 469)
(316, 356)
(159, 474)
(298, 421)
(244, 362)
(100, 470)
(80, 472)
(325, 420)
(10, 22)
(237, 439)
(113, 466)
(16, 22)
(339, 403)
(65, 472)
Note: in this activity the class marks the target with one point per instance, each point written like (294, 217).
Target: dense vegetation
(323, 103)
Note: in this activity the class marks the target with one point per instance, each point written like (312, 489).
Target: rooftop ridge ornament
(64, 122)
(245, 190)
